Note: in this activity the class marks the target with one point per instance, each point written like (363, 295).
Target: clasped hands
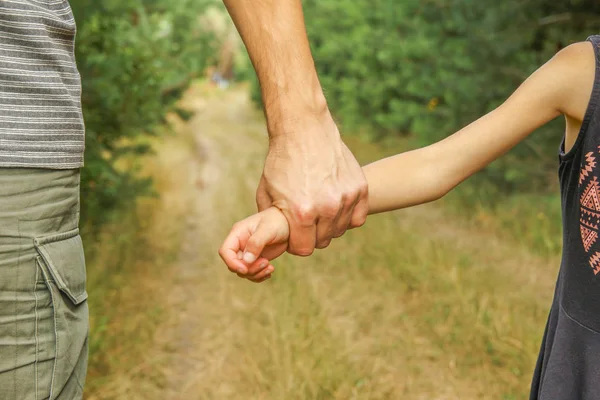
(312, 190)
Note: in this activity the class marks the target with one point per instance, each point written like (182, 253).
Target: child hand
(255, 241)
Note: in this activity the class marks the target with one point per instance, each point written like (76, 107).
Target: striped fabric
(41, 124)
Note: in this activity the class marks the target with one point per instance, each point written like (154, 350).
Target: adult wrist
(289, 114)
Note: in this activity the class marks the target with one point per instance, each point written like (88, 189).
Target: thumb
(263, 199)
(257, 242)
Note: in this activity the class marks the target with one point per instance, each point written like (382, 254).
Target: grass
(528, 218)
(127, 267)
(442, 301)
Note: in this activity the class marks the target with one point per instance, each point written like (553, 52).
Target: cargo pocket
(62, 262)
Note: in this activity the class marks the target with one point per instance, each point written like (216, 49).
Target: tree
(134, 57)
(427, 68)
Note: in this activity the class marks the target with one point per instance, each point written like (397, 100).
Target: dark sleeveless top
(568, 367)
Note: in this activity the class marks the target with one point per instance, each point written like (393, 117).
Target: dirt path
(413, 306)
(228, 139)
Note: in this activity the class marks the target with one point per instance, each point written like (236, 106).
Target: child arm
(561, 86)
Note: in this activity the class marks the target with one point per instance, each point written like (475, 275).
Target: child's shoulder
(573, 69)
(576, 60)
(579, 51)
(573, 60)
(564, 83)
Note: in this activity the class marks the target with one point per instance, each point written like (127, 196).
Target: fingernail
(240, 254)
(249, 258)
(242, 270)
(263, 265)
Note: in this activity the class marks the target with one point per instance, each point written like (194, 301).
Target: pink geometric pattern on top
(591, 164)
(589, 207)
(588, 236)
(595, 262)
(590, 198)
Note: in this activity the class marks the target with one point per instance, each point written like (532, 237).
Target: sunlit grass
(435, 302)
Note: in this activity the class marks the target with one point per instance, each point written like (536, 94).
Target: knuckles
(323, 244)
(358, 218)
(328, 206)
(305, 213)
(331, 208)
(358, 222)
(302, 252)
(359, 192)
(334, 204)
(363, 187)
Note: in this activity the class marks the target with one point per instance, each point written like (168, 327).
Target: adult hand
(309, 173)
(312, 177)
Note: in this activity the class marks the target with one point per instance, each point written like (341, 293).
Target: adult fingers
(263, 199)
(360, 212)
(302, 238)
(273, 251)
(327, 223)
(343, 222)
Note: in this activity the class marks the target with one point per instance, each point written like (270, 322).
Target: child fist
(253, 242)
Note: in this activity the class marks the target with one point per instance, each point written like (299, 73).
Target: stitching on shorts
(55, 333)
(37, 339)
(17, 313)
(73, 369)
(55, 237)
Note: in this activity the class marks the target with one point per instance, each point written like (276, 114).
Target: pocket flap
(64, 257)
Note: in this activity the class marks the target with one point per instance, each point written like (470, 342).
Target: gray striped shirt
(41, 124)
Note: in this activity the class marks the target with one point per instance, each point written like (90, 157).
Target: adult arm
(309, 173)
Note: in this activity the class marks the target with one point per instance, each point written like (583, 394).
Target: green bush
(135, 57)
(428, 68)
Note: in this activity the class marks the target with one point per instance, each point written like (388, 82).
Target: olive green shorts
(43, 307)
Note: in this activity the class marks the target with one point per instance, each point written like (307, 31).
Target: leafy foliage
(134, 57)
(430, 67)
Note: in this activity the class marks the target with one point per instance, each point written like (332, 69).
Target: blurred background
(442, 301)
